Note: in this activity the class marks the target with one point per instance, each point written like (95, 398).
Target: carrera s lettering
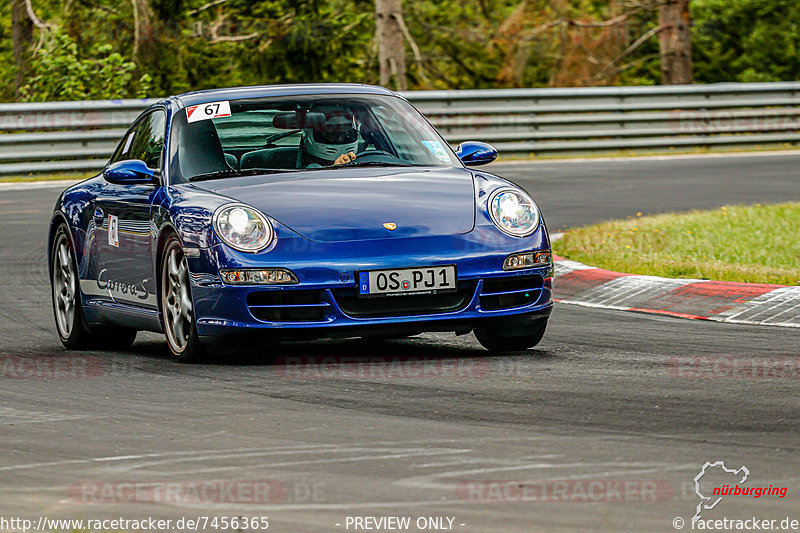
(121, 288)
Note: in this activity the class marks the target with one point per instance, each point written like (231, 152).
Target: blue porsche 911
(229, 217)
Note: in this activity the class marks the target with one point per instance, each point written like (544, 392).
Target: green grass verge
(45, 177)
(751, 244)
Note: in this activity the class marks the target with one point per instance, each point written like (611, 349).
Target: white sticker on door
(113, 231)
(196, 113)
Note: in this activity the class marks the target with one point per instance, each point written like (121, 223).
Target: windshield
(289, 134)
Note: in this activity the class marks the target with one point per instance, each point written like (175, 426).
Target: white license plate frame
(391, 282)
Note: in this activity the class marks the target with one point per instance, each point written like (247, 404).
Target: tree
(746, 40)
(391, 44)
(145, 45)
(22, 38)
(676, 42)
(60, 72)
(183, 45)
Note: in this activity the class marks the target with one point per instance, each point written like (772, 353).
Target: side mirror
(474, 154)
(130, 172)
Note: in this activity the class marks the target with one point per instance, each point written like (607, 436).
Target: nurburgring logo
(705, 500)
(715, 482)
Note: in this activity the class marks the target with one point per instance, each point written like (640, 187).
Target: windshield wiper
(278, 136)
(231, 173)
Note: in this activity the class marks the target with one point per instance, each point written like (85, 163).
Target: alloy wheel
(64, 287)
(176, 299)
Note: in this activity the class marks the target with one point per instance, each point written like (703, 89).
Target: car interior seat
(200, 150)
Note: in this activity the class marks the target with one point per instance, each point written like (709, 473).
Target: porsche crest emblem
(391, 226)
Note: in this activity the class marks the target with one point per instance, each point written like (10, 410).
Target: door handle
(99, 216)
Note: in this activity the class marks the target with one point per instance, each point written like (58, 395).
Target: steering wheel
(368, 156)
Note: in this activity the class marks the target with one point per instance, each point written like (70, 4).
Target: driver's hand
(343, 159)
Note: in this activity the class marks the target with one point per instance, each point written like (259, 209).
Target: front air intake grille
(402, 305)
(287, 305)
(511, 292)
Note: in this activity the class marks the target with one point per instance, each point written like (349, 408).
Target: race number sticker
(438, 150)
(113, 231)
(196, 113)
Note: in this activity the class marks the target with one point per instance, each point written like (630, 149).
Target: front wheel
(498, 340)
(73, 331)
(176, 305)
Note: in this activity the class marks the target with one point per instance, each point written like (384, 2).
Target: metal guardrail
(80, 136)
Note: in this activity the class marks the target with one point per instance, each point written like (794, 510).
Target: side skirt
(105, 312)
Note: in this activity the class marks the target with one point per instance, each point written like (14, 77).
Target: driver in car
(331, 143)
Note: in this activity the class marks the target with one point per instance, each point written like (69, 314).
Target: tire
(177, 306)
(73, 331)
(497, 340)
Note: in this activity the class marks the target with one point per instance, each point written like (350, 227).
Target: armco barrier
(80, 136)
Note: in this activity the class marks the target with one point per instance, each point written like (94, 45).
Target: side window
(146, 142)
(124, 148)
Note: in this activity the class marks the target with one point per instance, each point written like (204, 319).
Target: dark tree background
(75, 49)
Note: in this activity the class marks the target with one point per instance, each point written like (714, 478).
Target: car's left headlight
(513, 212)
(243, 228)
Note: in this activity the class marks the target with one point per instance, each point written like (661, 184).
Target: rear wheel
(74, 332)
(176, 305)
(499, 340)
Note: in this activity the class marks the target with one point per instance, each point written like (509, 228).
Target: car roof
(263, 91)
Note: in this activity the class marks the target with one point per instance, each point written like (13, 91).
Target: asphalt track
(608, 397)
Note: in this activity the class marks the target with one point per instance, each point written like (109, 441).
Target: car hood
(354, 204)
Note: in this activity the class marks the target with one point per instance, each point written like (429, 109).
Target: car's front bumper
(235, 317)
(324, 303)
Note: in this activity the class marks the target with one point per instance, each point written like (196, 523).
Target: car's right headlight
(513, 212)
(243, 228)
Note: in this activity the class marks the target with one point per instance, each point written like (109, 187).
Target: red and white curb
(742, 303)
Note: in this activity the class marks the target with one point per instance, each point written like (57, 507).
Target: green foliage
(643, 67)
(464, 44)
(746, 40)
(307, 41)
(7, 68)
(265, 42)
(58, 72)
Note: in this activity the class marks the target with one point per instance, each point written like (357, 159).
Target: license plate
(407, 281)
